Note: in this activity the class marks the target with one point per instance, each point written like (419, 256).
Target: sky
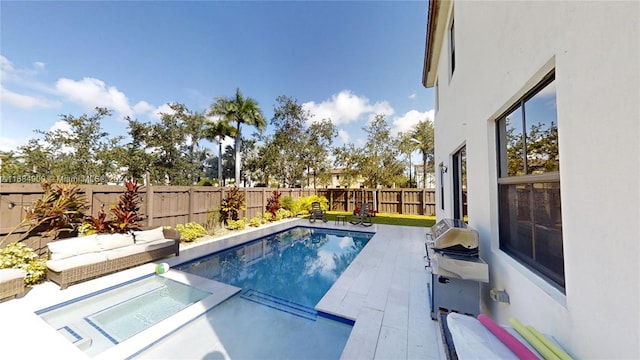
(344, 60)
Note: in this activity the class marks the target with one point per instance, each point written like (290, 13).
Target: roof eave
(429, 74)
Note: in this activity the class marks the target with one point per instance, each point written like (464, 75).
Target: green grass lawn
(391, 219)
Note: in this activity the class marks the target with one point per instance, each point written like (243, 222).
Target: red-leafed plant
(127, 208)
(125, 214)
(273, 202)
(98, 224)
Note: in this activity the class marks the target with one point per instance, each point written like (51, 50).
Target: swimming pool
(282, 276)
(289, 270)
(101, 320)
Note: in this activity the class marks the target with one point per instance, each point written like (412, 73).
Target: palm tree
(241, 111)
(423, 134)
(217, 131)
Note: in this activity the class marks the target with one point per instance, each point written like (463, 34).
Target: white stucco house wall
(558, 218)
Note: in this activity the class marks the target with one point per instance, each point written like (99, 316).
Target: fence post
(88, 194)
(191, 205)
(149, 200)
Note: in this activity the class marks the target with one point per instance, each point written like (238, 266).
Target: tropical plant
(59, 210)
(217, 131)
(255, 221)
(273, 202)
(191, 231)
(95, 225)
(125, 217)
(210, 224)
(231, 205)
(126, 211)
(306, 201)
(289, 203)
(237, 224)
(239, 110)
(20, 256)
(423, 134)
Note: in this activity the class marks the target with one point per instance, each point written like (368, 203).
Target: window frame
(452, 47)
(556, 279)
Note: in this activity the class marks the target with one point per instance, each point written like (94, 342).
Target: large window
(529, 183)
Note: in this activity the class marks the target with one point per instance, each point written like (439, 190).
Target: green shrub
(207, 182)
(268, 217)
(210, 224)
(289, 203)
(283, 214)
(305, 203)
(191, 231)
(20, 256)
(255, 221)
(237, 224)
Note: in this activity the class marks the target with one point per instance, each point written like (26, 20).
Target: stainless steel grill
(456, 269)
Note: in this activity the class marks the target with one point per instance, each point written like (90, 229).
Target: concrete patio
(384, 290)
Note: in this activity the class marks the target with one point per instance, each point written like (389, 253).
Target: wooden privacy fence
(172, 205)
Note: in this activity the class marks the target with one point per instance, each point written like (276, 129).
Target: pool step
(75, 336)
(280, 304)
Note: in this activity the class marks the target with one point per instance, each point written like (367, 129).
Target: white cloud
(162, 109)
(143, 107)
(91, 92)
(412, 96)
(409, 120)
(343, 135)
(346, 107)
(25, 101)
(11, 144)
(61, 125)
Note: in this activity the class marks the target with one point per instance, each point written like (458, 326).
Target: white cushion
(124, 251)
(146, 236)
(114, 241)
(62, 249)
(473, 340)
(76, 261)
(12, 274)
(158, 244)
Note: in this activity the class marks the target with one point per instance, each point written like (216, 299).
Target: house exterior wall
(503, 49)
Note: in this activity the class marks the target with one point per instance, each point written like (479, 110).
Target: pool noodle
(533, 340)
(518, 348)
(553, 347)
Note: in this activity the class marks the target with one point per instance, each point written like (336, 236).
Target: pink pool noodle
(509, 340)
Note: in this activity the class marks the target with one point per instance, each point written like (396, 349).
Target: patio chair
(362, 216)
(317, 213)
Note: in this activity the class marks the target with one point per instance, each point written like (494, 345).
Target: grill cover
(453, 234)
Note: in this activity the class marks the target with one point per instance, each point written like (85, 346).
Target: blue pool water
(100, 320)
(288, 271)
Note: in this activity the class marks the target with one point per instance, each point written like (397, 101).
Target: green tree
(165, 148)
(239, 110)
(423, 134)
(377, 161)
(289, 119)
(318, 141)
(82, 153)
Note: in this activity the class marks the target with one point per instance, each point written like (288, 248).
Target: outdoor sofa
(11, 283)
(87, 257)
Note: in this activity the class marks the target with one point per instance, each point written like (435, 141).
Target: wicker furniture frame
(91, 271)
(11, 288)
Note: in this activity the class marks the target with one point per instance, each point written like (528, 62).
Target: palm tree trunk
(424, 171)
(220, 182)
(238, 143)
